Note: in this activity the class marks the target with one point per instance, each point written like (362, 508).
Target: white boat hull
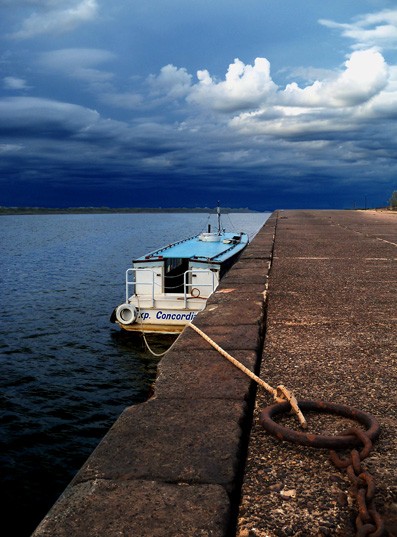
(160, 320)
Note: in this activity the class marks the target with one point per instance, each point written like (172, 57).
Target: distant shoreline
(109, 210)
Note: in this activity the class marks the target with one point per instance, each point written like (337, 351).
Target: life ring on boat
(126, 314)
(195, 292)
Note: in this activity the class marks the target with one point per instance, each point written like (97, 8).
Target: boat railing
(130, 284)
(190, 286)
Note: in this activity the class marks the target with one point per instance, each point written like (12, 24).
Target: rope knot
(282, 394)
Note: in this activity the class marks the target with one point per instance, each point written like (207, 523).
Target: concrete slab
(106, 507)
(204, 375)
(337, 361)
(171, 441)
(230, 337)
(250, 272)
(232, 305)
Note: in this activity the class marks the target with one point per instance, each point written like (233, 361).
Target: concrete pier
(312, 304)
(331, 335)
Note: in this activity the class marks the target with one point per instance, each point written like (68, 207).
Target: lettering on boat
(175, 316)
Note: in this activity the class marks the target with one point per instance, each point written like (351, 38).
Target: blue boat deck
(194, 248)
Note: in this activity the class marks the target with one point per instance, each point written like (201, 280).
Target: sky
(265, 104)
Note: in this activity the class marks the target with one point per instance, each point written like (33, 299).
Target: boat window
(175, 269)
(172, 264)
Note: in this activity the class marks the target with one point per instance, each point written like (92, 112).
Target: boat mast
(218, 211)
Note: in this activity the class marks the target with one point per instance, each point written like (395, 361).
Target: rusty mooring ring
(318, 440)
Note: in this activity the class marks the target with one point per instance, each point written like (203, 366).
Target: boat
(165, 289)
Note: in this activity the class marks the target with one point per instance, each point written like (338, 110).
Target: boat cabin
(166, 288)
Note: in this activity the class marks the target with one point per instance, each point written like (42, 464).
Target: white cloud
(366, 74)
(78, 63)
(244, 87)
(54, 17)
(250, 88)
(49, 122)
(172, 81)
(35, 113)
(384, 105)
(13, 83)
(298, 124)
(370, 30)
(10, 148)
(247, 104)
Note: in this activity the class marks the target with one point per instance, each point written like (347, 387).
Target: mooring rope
(139, 321)
(151, 350)
(280, 394)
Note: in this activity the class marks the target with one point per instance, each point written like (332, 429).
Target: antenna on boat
(218, 212)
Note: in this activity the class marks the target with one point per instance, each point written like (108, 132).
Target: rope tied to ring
(280, 394)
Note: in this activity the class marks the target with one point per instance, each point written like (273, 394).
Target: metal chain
(368, 522)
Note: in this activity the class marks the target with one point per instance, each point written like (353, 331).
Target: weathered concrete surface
(138, 508)
(331, 335)
(173, 465)
(172, 441)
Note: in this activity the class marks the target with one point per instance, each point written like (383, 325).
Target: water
(66, 371)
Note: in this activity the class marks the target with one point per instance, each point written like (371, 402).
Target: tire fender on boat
(126, 314)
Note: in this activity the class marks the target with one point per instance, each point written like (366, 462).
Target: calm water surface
(66, 372)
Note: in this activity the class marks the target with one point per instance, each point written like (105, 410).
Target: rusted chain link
(318, 440)
(368, 522)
